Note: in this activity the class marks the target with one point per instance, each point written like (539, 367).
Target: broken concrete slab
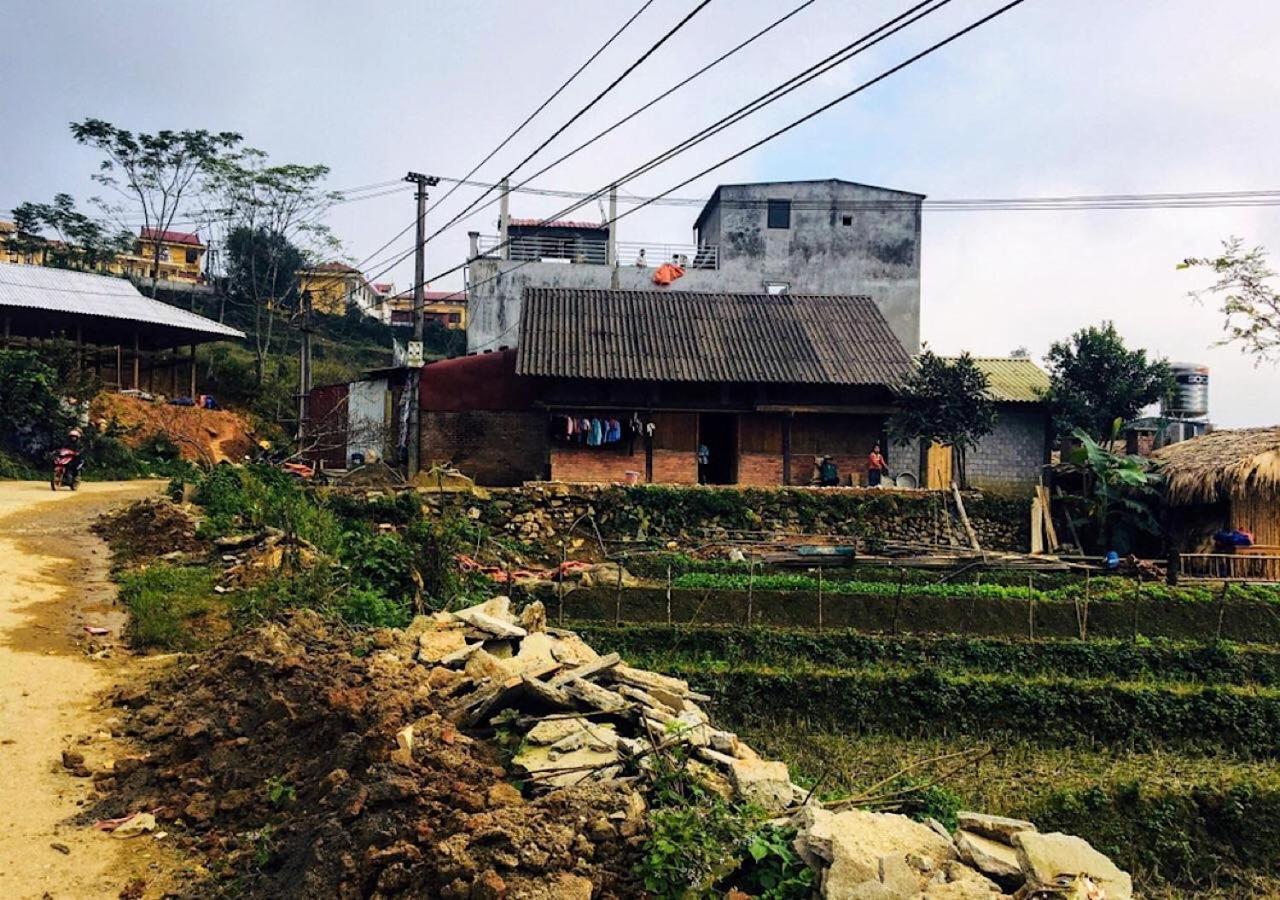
(594, 695)
(649, 681)
(492, 625)
(483, 665)
(573, 650)
(856, 839)
(1044, 858)
(988, 856)
(762, 783)
(898, 876)
(997, 828)
(533, 618)
(597, 760)
(435, 645)
(534, 653)
(549, 731)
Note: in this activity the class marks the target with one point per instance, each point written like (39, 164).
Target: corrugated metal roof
(1011, 380)
(86, 294)
(688, 336)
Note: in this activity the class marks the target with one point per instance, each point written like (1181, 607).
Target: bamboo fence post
(897, 601)
(1031, 608)
(819, 598)
(1137, 597)
(751, 583)
(668, 593)
(560, 585)
(1222, 607)
(1082, 621)
(617, 600)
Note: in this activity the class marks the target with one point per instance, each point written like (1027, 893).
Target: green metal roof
(1013, 380)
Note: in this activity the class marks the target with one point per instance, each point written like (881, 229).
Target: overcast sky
(1057, 97)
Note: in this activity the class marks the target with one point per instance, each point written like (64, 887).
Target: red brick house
(764, 382)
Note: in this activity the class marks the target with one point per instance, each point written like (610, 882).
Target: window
(846, 221)
(455, 318)
(779, 213)
(777, 287)
(164, 253)
(192, 256)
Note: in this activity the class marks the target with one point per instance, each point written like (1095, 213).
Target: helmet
(75, 433)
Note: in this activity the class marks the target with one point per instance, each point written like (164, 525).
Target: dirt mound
(285, 761)
(149, 529)
(207, 436)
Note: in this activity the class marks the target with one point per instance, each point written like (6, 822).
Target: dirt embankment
(207, 436)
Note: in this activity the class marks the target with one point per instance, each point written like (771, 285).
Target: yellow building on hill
(447, 308)
(334, 286)
(181, 257)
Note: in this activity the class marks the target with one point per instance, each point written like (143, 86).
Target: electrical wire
(933, 48)
(554, 94)
(583, 111)
(845, 53)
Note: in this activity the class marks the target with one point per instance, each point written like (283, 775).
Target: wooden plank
(1037, 526)
(964, 518)
(1046, 504)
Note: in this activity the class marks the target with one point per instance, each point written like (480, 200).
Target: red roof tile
(171, 237)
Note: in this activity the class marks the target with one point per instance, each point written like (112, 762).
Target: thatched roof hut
(1226, 480)
(1222, 465)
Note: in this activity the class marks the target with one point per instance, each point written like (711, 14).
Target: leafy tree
(32, 413)
(1095, 379)
(1249, 305)
(1119, 491)
(946, 402)
(86, 243)
(270, 214)
(153, 173)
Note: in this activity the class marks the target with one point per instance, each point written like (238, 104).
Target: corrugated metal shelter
(99, 311)
(39, 302)
(708, 338)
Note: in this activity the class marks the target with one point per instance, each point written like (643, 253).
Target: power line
(860, 45)
(554, 94)
(583, 111)
(770, 137)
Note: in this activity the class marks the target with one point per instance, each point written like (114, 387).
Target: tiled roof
(339, 267)
(557, 223)
(697, 337)
(1012, 380)
(171, 237)
(83, 293)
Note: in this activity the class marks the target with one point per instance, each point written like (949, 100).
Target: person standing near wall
(704, 461)
(876, 466)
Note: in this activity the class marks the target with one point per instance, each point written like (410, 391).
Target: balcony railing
(578, 252)
(1260, 566)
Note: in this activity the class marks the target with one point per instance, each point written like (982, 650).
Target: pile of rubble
(582, 718)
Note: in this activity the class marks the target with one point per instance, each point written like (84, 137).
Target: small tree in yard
(1095, 379)
(1249, 305)
(945, 402)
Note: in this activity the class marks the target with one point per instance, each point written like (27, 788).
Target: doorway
(718, 432)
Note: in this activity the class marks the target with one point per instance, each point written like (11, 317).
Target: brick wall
(761, 469)
(1011, 456)
(495, 448)
(607, 465)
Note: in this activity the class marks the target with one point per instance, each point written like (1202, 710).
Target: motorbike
(66, 469)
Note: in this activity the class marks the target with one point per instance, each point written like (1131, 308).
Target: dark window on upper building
(846, 220)
(779, 213)
(192, 255)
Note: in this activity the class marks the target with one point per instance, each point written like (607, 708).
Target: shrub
(366, 606)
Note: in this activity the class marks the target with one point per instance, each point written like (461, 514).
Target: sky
(1055, 97)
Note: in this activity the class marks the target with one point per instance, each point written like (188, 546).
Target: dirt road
(53, 582)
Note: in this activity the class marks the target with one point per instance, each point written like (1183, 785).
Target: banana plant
(1118, 489)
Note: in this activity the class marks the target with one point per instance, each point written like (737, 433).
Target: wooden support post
(6, 331)
(119, 368)
(1222, 607)
(964, 518)
(786, 448)
(1037, 517)
(173, 372)
(193, 372)
(137, 362)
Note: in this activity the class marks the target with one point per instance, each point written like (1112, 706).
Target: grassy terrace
(1180, 822)
(797, 649)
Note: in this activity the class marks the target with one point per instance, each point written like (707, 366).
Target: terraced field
(1162, 753)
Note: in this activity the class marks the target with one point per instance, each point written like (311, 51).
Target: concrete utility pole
(419, 300)
(304, 367)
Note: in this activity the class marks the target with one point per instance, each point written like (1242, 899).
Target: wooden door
(938, 467)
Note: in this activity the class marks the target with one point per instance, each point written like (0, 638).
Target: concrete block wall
(1012, 455)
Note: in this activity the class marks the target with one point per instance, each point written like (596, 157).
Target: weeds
(162, 599)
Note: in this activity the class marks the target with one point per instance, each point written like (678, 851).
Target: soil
(53, 583)
(274, 757)
(207, 436)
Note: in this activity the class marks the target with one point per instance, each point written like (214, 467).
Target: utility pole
(419, 299)
(304, 367)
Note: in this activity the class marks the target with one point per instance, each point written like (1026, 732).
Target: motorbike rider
(75, 441)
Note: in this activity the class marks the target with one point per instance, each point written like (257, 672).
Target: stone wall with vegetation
(649, 514)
